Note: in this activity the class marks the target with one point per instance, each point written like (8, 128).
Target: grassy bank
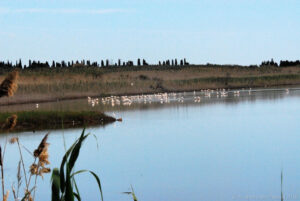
(40, 120)
(39, 85)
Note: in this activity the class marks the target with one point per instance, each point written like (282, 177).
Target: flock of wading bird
(160, 97)
(163, 98)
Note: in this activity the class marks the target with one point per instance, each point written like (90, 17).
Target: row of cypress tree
(87, 63)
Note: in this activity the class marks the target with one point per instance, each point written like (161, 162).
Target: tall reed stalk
(2, 172)
(281, 184)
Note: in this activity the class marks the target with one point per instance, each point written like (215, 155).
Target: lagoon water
(218, 149)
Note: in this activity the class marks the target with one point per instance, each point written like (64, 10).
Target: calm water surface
(221, 149)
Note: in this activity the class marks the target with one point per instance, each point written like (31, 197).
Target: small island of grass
(41, 120)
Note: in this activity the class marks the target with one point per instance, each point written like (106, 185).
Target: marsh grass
(52, 84)
(39, 120)
(234, 82)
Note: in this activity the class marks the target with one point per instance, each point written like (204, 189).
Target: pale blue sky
(215, 31)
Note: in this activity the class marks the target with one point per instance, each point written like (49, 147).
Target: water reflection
(142, 102)
(229, 148)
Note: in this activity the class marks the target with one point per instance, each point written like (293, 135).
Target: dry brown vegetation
(28, 178)
(9, 85)
(39, 86)
(40, 155)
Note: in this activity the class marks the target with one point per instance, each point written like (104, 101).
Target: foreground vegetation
(50, 84)
(64, 187)
(63, 182)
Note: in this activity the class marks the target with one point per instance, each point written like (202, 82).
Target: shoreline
(51, 100)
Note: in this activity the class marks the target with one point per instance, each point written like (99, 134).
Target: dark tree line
(282, 63)
(107, 63)
(174, 62)
(87, 63)
(289, 63)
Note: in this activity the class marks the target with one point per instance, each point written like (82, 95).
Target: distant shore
(47, 85)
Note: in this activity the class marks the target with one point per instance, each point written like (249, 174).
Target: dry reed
(10, 123)
(9, 86)
(19, 179)
(43, 146)
(5, 198)
(38, 169)
(2, 173)
(14, 192)
(1, 159)
(34, 169)
(13, 140)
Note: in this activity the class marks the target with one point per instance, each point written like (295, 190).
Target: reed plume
(5, 198)
(13, 140)
(10, 123)
(44, 171)
(9, 85)
(42, 146)
(43, 158)
(34, 169)
(42, 152)
(39, 169)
